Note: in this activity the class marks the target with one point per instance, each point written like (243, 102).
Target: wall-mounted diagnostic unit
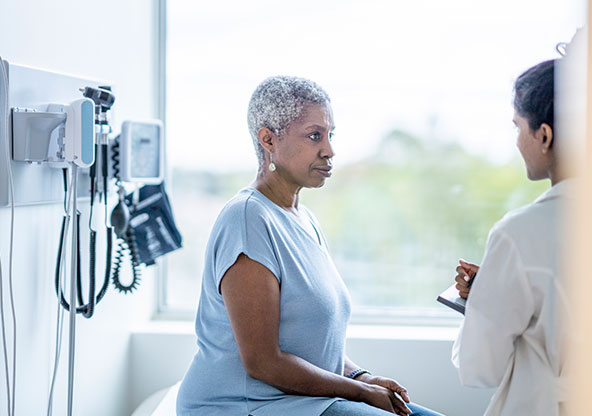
(141, 151)
(54, 126)
(46, 110)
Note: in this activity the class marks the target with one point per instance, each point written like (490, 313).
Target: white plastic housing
(142, 151)
(79, 142)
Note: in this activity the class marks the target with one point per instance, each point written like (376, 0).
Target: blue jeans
(349, 408)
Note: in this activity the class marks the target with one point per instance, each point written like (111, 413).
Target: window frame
(438, 316)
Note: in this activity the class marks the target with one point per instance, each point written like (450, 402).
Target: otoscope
(103, 99)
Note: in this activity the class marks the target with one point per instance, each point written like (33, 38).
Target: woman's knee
(421, 411)
(349, 408)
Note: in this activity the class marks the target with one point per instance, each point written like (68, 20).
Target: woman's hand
(384, 393)
(464, 272)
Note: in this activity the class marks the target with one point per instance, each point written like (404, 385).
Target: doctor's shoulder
(527, 223)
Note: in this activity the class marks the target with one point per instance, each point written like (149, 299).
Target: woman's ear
(545, 135)
(266, 139)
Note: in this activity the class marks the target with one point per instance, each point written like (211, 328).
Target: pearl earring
(271, 164)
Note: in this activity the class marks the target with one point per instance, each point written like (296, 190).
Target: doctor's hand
(395, 392)
(464, 272)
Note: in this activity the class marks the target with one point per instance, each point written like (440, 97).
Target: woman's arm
(368, 378)
(251, 294)
(349, 366)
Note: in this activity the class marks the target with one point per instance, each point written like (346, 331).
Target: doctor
(511, 338)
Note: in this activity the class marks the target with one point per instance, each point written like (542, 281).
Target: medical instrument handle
(80, 134)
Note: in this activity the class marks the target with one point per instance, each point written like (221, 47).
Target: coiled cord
(115, 158)
(127, 246)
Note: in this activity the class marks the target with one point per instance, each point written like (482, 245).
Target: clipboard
(451, 299)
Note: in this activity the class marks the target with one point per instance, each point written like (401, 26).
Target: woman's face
(303, 153)
(531, 146)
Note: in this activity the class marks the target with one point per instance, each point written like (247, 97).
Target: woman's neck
(278, 190)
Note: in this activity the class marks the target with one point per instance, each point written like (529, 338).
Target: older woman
(273, 309)
(511, 337)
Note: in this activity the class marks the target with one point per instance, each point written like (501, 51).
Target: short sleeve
(245, 227)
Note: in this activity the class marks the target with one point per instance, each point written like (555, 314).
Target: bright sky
(440, 69)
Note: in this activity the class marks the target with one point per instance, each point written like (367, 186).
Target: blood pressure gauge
(142, 151)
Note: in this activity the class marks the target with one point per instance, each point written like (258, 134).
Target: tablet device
(451, 299)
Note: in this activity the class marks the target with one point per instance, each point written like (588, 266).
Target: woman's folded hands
(385, 393)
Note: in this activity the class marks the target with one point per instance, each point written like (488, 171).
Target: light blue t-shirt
(314, 302)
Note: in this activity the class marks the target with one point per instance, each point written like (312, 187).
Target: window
(421, 93)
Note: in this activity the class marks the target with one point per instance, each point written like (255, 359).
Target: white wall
(108, 40)
(422, 364)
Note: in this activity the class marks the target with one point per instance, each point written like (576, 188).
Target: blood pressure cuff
(152, 224)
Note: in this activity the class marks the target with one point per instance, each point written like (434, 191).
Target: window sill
(354, 331)
(386, 317)
(406, 332)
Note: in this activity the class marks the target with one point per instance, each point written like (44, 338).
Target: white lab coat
(511, 337)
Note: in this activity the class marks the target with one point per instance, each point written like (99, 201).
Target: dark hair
(533, 94)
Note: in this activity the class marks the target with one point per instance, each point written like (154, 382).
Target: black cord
(93, 187)
(108, 264)
(105, 166)
(105, 162)
(59, 292)
(78, 262)
(92, 272)
(65, 178)
(87, 310)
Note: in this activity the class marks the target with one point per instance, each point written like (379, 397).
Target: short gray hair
(278, 101)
